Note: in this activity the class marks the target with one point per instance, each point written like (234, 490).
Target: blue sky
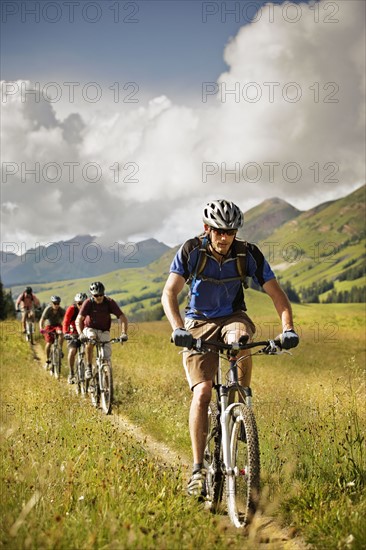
(166, 46)
(291, 126)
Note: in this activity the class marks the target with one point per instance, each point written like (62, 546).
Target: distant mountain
(325, 243)
(82, 256)
(262, 220)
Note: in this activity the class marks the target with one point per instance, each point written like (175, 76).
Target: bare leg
(198, 419)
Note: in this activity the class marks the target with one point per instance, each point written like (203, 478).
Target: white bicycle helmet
(80, 297)
(96, 288)
(55, 299)
(222, 214)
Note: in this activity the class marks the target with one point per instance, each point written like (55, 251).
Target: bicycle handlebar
(269, 346)
(85, 339)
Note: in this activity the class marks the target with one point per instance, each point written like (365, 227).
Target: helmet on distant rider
(80, 297)
(96, 288)
(55, 299)
(28, 290)
(222, 214)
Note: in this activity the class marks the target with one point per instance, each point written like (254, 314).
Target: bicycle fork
(229, 415)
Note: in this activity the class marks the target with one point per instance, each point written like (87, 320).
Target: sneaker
(197, 484)
(88, 372)
(71, 379)
(46, 366)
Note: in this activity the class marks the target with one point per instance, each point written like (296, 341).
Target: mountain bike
(29, 326)
(55, 351)
(100, 386)
(232, 455)
(80, 382)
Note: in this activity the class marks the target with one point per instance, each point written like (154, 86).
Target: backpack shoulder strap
(201, 262)
(241, 248)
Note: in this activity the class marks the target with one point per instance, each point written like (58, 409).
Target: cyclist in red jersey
(68, 327)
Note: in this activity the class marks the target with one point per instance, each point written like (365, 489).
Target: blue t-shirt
(212, 293)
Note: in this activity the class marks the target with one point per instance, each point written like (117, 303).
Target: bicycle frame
(102, 378)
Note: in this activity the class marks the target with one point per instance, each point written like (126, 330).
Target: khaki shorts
(102, 336)
(201, 367)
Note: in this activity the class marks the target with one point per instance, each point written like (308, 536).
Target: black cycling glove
(183, 338)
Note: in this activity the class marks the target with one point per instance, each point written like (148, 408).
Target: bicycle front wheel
(243, 484)
(213, 461)
(93, 387)
(29, 328)
(106, 387)
(56, 361)
(80, 373)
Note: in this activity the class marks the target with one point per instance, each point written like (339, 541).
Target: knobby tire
(106, 387)
(242, 488)
(93, 387)
(213, 459)
(80, 373)
(56, 361)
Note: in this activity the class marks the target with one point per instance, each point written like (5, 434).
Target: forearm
(171, 309)
(284, 310)
(123, 323)
(79, 324)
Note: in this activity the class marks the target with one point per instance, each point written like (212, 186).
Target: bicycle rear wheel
(106, 387)
(213, 459)
(243, 485)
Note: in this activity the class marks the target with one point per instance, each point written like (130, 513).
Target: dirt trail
(264, 532)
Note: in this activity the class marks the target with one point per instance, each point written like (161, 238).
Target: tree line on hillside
(7, 307)
(310, 295)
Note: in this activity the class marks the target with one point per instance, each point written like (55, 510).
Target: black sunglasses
(98, 295)
(229, 232)
(80, 303)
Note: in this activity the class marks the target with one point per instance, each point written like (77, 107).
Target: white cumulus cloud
(286, 119)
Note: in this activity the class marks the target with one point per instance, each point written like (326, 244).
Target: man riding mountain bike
(94, 321)
(51, 321)
(27, 302)
(215, 264)
(68, 327)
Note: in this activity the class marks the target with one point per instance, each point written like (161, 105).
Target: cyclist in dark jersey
(94, 321)
(51, 321)
(216, 310)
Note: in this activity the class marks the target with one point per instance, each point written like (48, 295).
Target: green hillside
(324, 244)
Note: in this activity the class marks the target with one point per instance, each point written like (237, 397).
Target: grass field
(72, 481)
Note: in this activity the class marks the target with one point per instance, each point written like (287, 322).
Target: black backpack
(240, 251)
